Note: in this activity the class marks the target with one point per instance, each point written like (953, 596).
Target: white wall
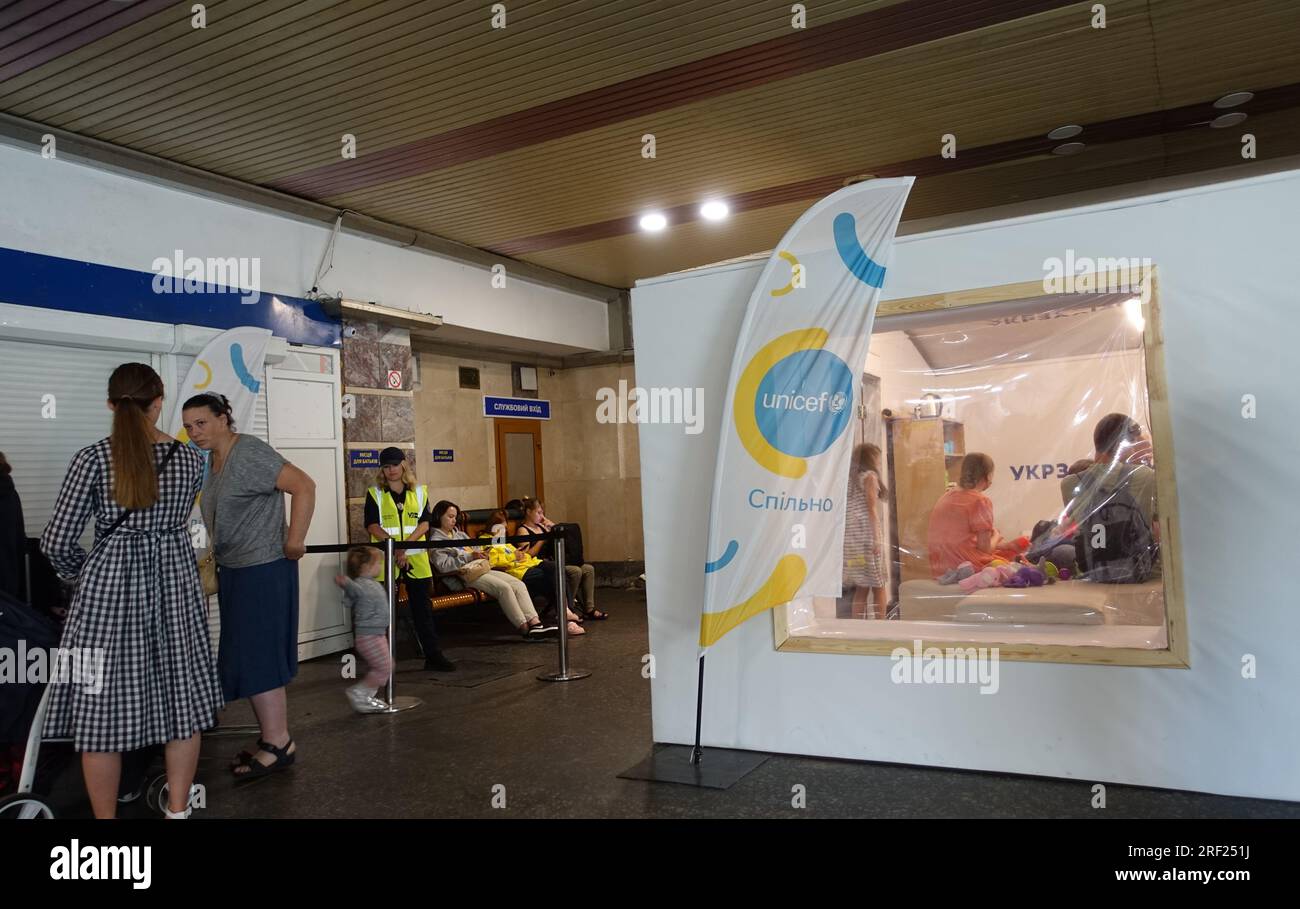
(1226, 259)
(74, 211)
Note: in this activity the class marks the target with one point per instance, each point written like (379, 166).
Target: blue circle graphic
(804, 402)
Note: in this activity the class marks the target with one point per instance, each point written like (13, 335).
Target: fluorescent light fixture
(653, 222)
(714, 210)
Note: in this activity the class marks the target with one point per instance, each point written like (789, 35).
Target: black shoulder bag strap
(130, 511)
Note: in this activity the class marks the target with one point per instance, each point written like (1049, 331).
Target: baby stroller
(23, 707)
(23, 703)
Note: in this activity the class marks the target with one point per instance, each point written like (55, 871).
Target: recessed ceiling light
(1069, 148)
(1233, 99)
(1065, 132)
(1225, 120)
(714, 211)
(653, 222)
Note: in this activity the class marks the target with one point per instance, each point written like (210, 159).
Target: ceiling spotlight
(653, 222)
(714, 211)
(1223, 121)
(1068, 148)
(1065, 132)
(1233, 99)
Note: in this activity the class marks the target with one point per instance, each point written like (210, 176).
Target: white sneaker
(363, 700)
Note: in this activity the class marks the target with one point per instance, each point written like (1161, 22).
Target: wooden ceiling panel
(788, 131)
(269, 88)
(622, 260)
(527, 140)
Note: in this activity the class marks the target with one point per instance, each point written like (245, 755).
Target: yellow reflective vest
(400, 524)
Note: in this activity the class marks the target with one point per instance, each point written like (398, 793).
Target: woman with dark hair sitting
(457, 567)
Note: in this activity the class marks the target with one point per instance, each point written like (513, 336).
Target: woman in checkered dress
(139, 601)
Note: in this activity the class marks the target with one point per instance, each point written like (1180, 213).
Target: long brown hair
(132, 389)
(527, 504)
(867, 457)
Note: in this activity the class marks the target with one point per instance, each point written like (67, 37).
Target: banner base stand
(721, 768)
(401, 703)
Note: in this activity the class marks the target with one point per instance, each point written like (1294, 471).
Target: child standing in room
(864, 536)
(368, 601)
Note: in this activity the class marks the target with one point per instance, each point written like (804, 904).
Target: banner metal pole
(697, 753)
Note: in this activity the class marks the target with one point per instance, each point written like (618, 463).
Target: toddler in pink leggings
(368, 601)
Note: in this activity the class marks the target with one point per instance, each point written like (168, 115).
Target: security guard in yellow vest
(399, 508)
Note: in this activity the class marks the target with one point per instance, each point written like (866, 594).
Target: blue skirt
(259, 628)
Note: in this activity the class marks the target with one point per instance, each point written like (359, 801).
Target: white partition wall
(1226, 256)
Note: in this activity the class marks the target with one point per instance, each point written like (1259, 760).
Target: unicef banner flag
(231, 365)
(784, 456)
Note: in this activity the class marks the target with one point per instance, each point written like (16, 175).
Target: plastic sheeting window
(1004, 481)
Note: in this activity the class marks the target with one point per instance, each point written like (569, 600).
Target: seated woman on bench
(582, 578)
(509, 592)
(537, 574)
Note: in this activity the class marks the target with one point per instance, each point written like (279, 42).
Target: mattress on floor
(1066, 602)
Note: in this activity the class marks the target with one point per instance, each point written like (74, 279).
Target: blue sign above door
(519, 408)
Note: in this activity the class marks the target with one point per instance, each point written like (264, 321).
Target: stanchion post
(561, 610)
(395, 704)
(390, 575)
(561, 607)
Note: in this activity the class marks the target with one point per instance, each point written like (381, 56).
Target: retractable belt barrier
(565, 673)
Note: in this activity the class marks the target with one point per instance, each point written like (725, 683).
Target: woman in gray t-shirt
(256, 555)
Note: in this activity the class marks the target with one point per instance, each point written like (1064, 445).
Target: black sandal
(245, 756)
(595, 615)
(257, 770)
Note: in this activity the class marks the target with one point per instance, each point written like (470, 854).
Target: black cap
(391, 455)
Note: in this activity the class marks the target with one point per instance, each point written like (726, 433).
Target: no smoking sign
(394, 378)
